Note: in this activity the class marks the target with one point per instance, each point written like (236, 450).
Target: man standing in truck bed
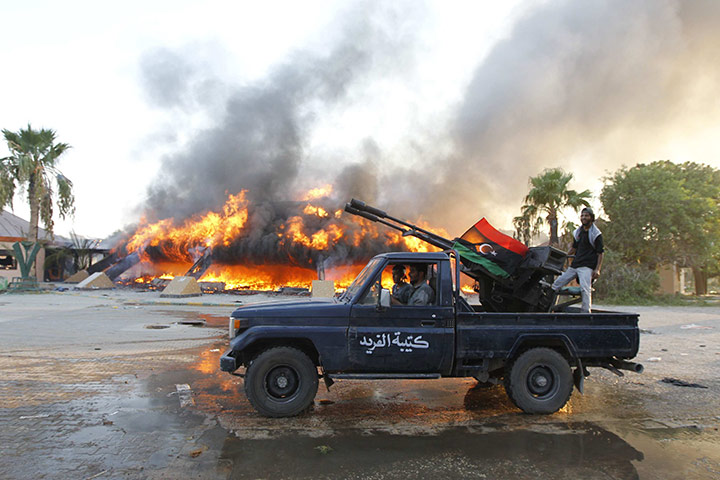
(588, 249)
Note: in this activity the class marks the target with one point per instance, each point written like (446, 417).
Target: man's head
(398, 273)
(587, 216)
(418, 272)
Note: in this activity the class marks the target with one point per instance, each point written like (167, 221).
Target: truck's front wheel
(281, 382)
(540, 381)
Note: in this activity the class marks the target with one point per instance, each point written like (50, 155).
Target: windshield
(359, 281)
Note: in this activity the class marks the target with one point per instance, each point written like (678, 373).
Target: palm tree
(548, 196)
(31, 168)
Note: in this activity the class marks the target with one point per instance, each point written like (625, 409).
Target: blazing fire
(316, 193)
(209, 230)
(287, 251)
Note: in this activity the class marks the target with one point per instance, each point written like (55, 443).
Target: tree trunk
(34, 219)
(34, 211)
(554, 239)
(701, 280)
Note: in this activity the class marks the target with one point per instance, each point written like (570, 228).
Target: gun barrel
(350, 209)
(432, 238)
(360, 208)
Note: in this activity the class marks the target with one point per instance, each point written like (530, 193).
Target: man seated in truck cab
(422, 293)
(401, 290)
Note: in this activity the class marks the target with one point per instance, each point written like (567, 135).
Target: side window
(371, 296)
(433, 280)
(422, 279)
(385, 278)
(409, 283)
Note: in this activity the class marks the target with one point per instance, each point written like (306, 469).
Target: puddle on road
(197, 318)
(397, 406)
(447, 428)
(573, 451)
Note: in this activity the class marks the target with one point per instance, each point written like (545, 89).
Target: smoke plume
(587, 86)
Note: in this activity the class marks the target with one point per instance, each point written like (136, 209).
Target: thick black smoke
(258, 143)
(587, 86)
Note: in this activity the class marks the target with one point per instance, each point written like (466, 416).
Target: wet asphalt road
(93, 386)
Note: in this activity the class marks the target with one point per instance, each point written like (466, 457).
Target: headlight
(236, 324)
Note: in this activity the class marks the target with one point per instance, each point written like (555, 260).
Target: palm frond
(31, 168)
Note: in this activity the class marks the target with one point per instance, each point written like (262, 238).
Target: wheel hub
(541, 381)
(282, 382)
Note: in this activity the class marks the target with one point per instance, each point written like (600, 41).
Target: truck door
(402, 338)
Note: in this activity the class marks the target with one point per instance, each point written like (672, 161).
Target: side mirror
(385, 298)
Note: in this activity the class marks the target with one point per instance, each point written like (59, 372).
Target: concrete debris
(182, 287)
(77, 277)
(96, 281)
(323, 289)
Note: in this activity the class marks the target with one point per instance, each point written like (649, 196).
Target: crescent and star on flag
(485, 249)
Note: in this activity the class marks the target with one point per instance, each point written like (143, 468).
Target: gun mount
(527, 289)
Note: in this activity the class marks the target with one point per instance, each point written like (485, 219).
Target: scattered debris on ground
(681, 383)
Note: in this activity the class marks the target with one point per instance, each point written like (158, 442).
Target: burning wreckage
(253, 246)
(298, 242)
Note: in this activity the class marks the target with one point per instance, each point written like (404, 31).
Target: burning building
(250, 245)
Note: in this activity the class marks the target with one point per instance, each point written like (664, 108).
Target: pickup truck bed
(590, 337)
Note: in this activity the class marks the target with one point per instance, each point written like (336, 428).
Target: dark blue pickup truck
(286, 347)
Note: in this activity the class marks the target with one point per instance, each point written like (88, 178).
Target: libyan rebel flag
(496, 252)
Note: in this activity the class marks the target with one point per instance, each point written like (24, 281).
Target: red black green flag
(496, 252)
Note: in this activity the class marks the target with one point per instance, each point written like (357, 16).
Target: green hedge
(621, 282)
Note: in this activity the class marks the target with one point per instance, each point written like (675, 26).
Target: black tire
(539, 381)
(281, 382)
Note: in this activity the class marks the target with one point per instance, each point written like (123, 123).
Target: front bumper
(228, 363)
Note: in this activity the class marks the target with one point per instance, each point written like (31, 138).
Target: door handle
(428, 323)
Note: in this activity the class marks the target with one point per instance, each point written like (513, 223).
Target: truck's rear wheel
(540, 381)
(281, 382)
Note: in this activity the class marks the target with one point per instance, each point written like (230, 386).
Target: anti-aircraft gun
(526, 289)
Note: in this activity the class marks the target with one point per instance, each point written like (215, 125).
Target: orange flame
(319, 192)
(209, 230)
(316, 229)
